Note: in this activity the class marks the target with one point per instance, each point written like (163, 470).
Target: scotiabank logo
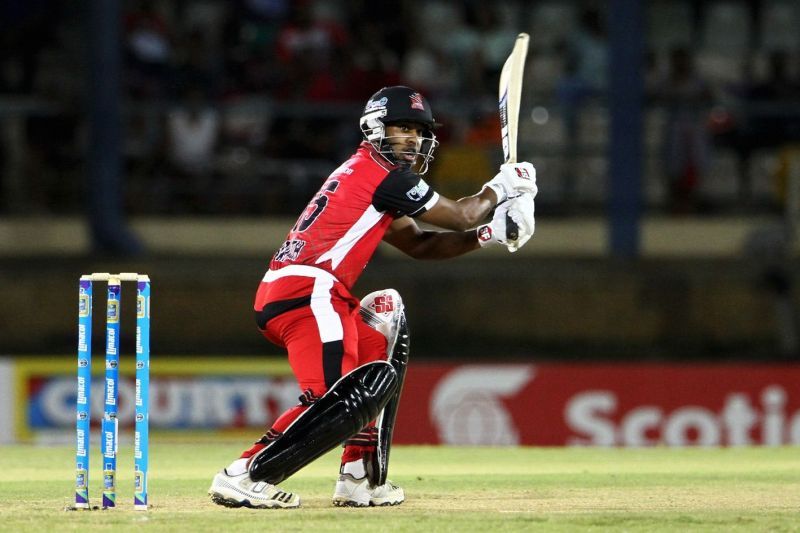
(595, 419)
(467, 405)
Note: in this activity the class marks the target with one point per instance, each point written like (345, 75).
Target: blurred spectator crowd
(242, 106)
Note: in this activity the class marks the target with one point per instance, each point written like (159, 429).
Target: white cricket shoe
(241, 491)
(356, 492)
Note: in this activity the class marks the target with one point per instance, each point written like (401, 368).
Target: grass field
(447, 489)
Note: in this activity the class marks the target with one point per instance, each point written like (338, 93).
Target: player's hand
(513, 179)
(521, 211)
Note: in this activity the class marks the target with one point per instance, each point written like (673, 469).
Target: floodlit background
(182, 138)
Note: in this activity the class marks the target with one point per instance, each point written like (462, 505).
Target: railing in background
(248, 178)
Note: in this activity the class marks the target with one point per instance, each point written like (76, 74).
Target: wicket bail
(110, 424)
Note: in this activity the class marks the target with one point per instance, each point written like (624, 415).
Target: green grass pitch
(447, 489)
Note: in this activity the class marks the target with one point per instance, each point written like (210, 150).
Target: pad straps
(341, 412)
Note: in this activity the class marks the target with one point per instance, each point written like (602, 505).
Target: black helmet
(395, 104)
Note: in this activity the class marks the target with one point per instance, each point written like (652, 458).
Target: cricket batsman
(349, 356)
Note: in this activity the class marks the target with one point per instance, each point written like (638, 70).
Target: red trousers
(317, 321)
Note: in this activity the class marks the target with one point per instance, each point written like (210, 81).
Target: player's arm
(463, 214)
(407, 194)
(406, 236)
(512, 180)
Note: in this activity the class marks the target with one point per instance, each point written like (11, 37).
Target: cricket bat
(510, 92)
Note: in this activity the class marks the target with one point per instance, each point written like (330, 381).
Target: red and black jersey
(344, 222)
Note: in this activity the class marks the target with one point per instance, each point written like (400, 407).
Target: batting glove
(521, 210)
(512, 180)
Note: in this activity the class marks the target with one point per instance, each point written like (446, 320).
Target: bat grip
(512, 230)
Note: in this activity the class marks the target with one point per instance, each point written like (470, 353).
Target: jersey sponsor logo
(485, 233)
(416, 102)
(290, 250)
(376, 104)
(343, 169)
(418, 192)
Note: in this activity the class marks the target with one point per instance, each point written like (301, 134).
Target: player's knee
(380, 311)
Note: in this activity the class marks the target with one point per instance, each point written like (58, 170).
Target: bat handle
(512, 230)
